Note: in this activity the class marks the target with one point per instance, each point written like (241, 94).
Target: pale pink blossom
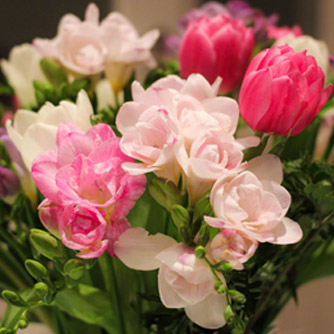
(86, 169)
(254, 203)
(184, 280)
(170, 113)
(78, 46)
(231, 246)
(279, 33)
(211, 156)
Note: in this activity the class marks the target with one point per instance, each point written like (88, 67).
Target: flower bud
(4, 330)
(43, 292)
(9, 182)
(180, 216)
(217, 46)
(53, 72)
(46, 244)
(36, 269)
(13, 298)
(237, 296)
(200, 252)
(74, 268)
(23, 323)
(282, 91)
(165, 192)
(229, 314)
(220, 287)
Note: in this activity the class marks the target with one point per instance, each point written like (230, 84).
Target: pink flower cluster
(89, 47)
(88, 194)
(181, 127)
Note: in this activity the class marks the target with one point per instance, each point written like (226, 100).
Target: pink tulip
(218, 46)
(86, 187)
(278, 33)
(282, 91)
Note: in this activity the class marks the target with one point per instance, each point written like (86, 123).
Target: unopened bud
(202, 208)
(13, 298)
(220, 287)
(53, 71)
(46, 244)
(237, 296)
(200, 252)
(23, 323)
(165, 192)
(229, 314)
(36, 269)
(42, 292)
(180, 216)
(224, 267)
(74, 268)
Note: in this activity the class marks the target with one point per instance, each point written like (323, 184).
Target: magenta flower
(282, 91)
(86, 188)
(217, 46)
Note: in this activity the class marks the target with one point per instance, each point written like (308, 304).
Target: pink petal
(287, 232)
(209, 313)
(138, 250)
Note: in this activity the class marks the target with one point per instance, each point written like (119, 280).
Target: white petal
(208, 313)
(138, 250)
(37, 139)
(23, 119)
(84, 112)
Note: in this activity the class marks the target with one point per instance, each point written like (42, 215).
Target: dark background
(23, 20)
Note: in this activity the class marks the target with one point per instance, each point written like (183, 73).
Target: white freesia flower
(21, 69)
(34, 133)
(316, 48)
(184, 280)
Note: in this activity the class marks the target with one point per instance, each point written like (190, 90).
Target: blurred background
(21, 21)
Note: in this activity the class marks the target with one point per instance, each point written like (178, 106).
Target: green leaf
(90, 305)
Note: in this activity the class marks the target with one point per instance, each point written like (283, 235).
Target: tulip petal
(138, 250)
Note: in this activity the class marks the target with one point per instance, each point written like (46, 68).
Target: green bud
(220, 287)
(39, 97)
(46, 244)
(79, 84)
(204, 234)
(53, 71)
(13, 298)
(200, 252)
(228, 314)
(224, 267)
(165, 192)
(74, 268)
(44, 87)
(70, 282)
(23, 323)
(180, 216)
(237, 296)
(36, 269)
(42, 291)
(203, 208)
(4, 330)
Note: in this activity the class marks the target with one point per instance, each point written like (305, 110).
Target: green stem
(8, 238)
(5, 269)
(111, 284)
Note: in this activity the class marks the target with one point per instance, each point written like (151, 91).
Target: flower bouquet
(154, 206)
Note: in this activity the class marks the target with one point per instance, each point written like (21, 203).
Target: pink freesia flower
(278, 33)
(184, 280)
(88, 47)
(170, 113)
(218, 46)
(84, 174)
(78, 45)
(282, 91)
(211, 155)
(254, 203)
(232, 246)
